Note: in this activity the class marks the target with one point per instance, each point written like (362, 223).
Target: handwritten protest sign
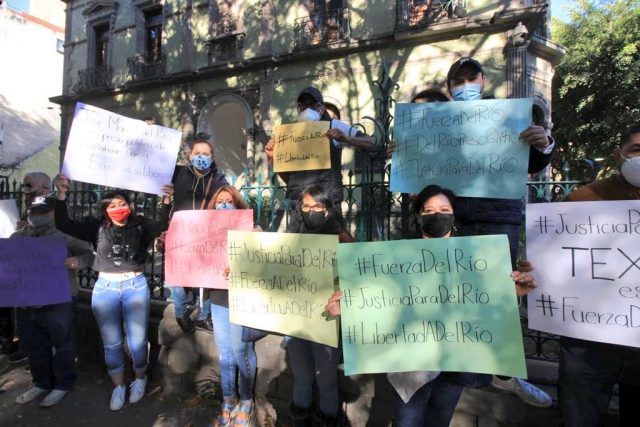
(32, 272)
(196, 246)
(430, 305)
(301, 146)
(8, 217)
(587, 266)
(280, 282)
(470, 147)
(105, 148)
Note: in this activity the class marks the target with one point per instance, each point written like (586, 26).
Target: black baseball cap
(465, 61)
(42, 204)
(313, 92)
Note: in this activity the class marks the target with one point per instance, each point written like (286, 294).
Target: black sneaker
(205, 325)
(17, 357)
(186, 324)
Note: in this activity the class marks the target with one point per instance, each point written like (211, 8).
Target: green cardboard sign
(430, 305)
(471, 147)
(281, 282)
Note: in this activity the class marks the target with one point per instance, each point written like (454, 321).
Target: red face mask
(119, 215)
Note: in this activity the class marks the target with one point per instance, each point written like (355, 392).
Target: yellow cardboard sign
(280, 282)
(301, 146)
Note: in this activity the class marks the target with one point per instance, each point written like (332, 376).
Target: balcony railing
(225, 46)
(93, 78)
(142, 67)
(420, 13)
(322, 28)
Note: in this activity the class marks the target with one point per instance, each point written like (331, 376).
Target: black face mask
(436, 225)
(314, 220)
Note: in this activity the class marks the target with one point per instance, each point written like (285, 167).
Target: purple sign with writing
(32, 272)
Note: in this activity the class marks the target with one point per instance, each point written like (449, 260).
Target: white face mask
(309, 115)
(630, 170)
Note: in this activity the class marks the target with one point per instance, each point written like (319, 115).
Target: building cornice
(499, 22)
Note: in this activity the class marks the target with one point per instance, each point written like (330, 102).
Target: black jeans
(588, 372)
(6, 329)
(48, 338)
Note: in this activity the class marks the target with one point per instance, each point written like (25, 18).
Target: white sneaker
(528, 393)
(138, 388)
(117, 398)
(53, 398)
(30, 395)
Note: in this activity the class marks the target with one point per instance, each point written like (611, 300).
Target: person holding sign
(47, 333)
(236, 355)
(480, 216)
(589, 370)
(310, 106)
(430, 398)
(121, 293)
(310, 361)
(34, 184)
(193, 187)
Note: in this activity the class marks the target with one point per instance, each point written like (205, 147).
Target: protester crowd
(115, 245)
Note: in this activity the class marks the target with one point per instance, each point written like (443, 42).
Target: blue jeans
(588, 372)
(311, 361)
(179, 298)
(48, 337)
(113, 302)
(235, 355)
(431, 406)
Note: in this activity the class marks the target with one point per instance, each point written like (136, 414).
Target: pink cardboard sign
(196, 246)
(32, 272)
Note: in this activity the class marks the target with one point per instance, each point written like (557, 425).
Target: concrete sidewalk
(88, 404)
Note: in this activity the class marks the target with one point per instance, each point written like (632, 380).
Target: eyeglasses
(312, 208)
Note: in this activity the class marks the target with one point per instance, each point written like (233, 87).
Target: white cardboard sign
(105, 148)
(8, 217)
(587, 265)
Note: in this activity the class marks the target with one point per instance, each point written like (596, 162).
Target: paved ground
(88, 404)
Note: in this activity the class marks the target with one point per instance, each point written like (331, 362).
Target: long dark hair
(236, 196)
(334, 220)
(106, 200)
(428, 192)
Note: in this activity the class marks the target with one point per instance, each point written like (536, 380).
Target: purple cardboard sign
(32, 272)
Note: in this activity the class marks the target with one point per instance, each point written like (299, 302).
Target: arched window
(229, 120)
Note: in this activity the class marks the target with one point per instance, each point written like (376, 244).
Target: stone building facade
(233, 68)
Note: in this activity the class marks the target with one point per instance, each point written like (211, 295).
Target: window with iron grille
(101, 45)
(153, 35)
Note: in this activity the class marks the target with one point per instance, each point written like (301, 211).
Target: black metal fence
(270, 207)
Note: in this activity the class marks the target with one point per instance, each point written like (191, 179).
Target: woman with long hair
(236, 355)
(429, 398)
(120, 294)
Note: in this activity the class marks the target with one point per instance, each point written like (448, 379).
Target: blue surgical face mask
(225, 206)
(201, 162)
(309, 115)
(467, 92)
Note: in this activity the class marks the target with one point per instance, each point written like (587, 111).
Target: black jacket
(118, 249)
(189, 189)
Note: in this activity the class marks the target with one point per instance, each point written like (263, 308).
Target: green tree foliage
(597, 86)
